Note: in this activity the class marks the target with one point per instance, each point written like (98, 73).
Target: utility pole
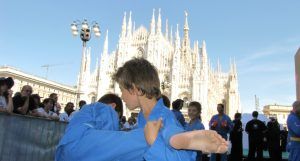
(256, 103)
(47, 66)
(297, 74)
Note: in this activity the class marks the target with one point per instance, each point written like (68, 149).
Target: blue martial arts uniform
(221, 130)
(293, 123)
(161, 150)
(179, 117)
(196, 125)
(92, 135)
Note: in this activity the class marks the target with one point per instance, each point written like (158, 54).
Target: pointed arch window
(140, 52)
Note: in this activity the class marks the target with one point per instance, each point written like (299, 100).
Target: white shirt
(3, 103)
(44, 113)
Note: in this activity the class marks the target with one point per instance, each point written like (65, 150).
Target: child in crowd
(177, 106)
(114, 101)
(194, 112)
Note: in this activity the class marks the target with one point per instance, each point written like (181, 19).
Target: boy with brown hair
(140, 86)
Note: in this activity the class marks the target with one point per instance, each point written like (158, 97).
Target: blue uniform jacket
(293, 123)
(197, 125)
(179, 117)
(161, 149)
(221, 130)
(92, 135)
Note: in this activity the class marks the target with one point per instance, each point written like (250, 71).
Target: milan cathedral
(184, 68)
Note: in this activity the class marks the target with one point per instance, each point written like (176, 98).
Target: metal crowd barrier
(26, 138)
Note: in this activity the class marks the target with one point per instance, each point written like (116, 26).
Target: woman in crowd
(45, 111)
(6, 102)
(66, 116)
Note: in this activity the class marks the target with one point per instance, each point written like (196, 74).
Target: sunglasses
(28, 91)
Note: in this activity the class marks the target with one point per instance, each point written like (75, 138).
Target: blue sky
(262, 36)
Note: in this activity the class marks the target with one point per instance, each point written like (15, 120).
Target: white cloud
(287, 46)
(266, 67)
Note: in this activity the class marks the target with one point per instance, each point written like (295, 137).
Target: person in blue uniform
(194, 112)
(223, 125)
(293, 124)
(177, 106)
(236, 138)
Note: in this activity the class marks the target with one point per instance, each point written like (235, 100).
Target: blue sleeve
(293, 123)
(161, 149)
(181, 119)
(92, 134)
(105, 145)
(201, 126)
(141, 121)
(211, 121)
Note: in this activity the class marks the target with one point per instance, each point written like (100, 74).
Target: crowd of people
(261, 136)
(26, 103)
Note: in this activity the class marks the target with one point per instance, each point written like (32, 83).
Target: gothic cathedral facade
(184, 69)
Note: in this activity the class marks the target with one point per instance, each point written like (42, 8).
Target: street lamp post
(85, 35)
(85, 30)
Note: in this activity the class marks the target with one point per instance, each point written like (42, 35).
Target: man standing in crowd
(57, 106)
(273, 138)
(283, 138)
(255, 129)
(24, 104)
(81, 103)
(223, 125)
(293, 123)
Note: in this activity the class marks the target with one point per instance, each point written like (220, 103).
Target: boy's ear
(132, 91)
(135, 90)
(113, 105)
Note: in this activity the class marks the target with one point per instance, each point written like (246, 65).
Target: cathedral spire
(186, 41)
(152, 24)
(204, 54)
(219, 68)
(96, 66)
(204, 63)
(123, 33)
(197, 61)
(171, 35)
(105, 46)
(234, 66)
(196, 47)
(129, 26)
(186, 24)
(167, 30)
(158, 27)
(177, 38)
